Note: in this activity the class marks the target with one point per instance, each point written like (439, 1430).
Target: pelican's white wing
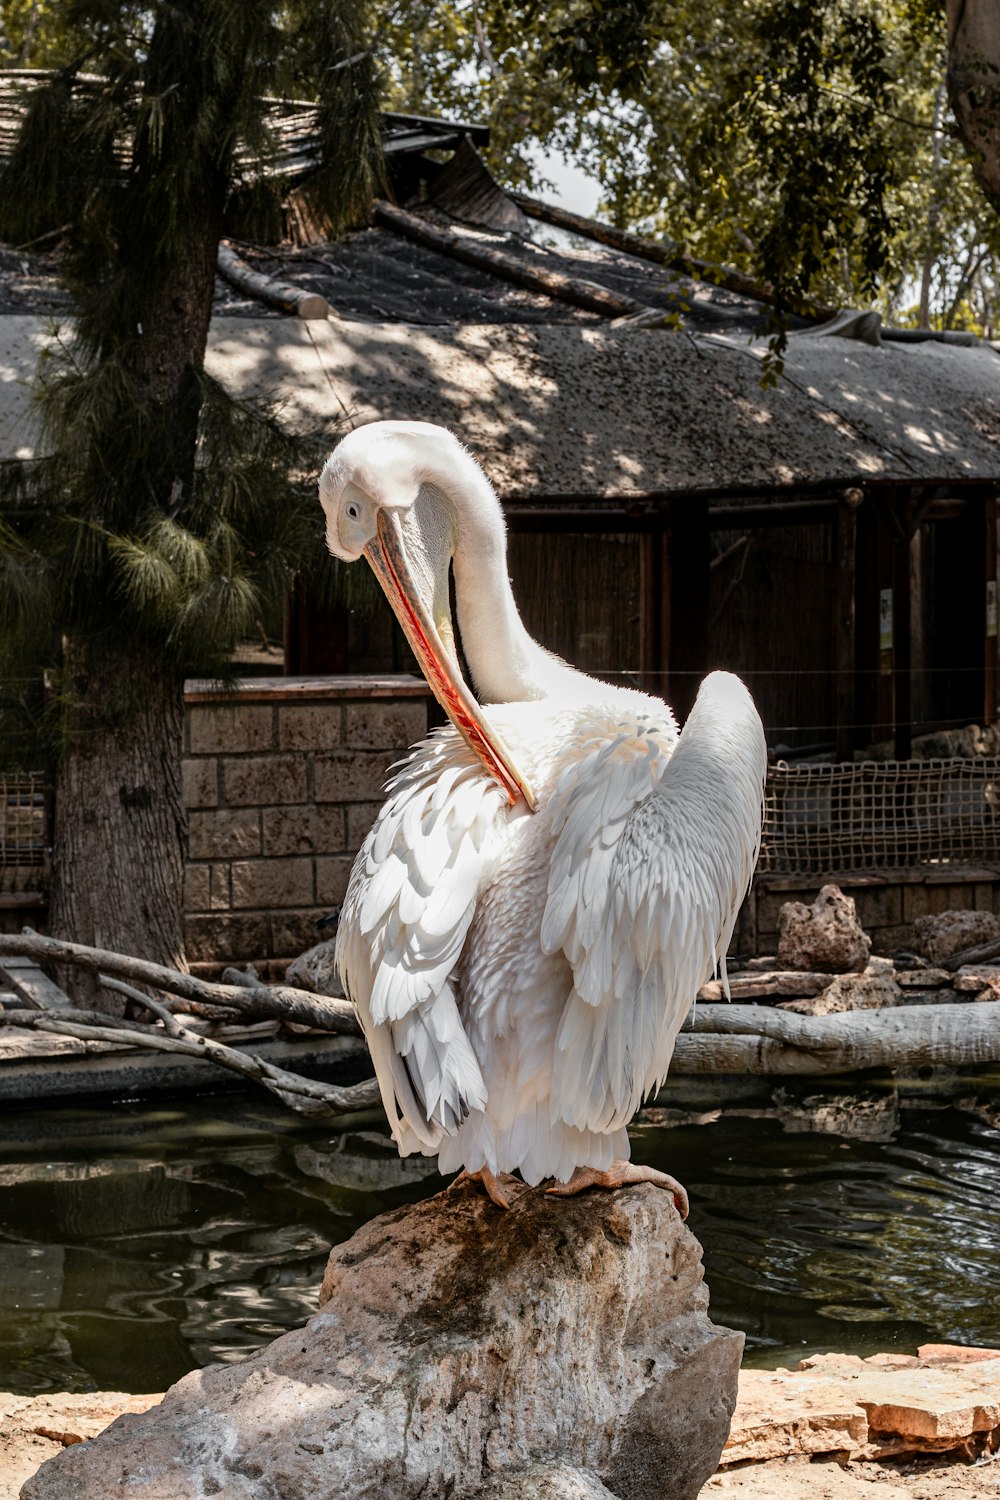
(409, 903)
(653, 857)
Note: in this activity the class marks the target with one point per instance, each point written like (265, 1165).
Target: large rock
(826, 935)
(455, 1342)
(948, 932)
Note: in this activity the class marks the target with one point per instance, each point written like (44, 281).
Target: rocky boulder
(316, 970)
(940, 936)
(825, 936)
(456, 1345)
(870, 990)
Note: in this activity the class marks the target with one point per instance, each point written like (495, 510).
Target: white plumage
(521, 976)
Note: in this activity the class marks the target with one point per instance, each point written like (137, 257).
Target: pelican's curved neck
(506, 664)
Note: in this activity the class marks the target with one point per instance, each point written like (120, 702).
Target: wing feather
(410, 900)
(653, 856)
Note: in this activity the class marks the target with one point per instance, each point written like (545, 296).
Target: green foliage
(165, 514)
(805, 143)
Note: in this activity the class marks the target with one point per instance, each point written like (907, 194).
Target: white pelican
(550, 882)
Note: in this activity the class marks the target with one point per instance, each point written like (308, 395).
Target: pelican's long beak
(387, 557)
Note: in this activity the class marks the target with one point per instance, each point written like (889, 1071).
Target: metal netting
(880, 815)
(23, 831)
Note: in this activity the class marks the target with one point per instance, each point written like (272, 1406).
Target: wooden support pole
(687, 602)
(504, 263)
(902, 633)
(990, 506)
(654, 595)
(844, 646)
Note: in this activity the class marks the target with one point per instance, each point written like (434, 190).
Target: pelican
(553, 875)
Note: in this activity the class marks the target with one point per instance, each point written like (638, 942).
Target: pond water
(139, 1242)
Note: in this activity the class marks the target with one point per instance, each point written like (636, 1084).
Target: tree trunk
(974, 86)
(119, 834)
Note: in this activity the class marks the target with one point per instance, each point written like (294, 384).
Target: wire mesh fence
(818, 819)
(23, 832)
(887, 815)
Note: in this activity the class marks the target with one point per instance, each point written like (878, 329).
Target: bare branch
(265, 1002)
(303, 1095)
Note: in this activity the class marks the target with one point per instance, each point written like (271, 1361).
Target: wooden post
(688, 601)
(654, 612)
(902, 631)
(846, 664)
(876, 555)
(990, 505)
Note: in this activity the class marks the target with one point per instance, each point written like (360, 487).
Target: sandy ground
(800, 1479)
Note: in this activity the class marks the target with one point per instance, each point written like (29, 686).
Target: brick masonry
(282, 780)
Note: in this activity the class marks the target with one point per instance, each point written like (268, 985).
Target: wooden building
(834, 540)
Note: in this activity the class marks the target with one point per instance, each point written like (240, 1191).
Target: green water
(137, 1243)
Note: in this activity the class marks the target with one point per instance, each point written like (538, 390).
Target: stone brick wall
(282, 780)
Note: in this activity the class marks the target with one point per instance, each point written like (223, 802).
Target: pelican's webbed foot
(491, 1183)
(621, 1174)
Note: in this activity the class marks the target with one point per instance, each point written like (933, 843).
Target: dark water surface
(139, 1242)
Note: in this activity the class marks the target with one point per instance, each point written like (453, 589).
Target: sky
(575, 190)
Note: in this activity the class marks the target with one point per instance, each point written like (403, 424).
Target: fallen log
(573, 289)
(982, 953)
(758, 1040)
(294, 300)
(662, 255)
(264, 1002)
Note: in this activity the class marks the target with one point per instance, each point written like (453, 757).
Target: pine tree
(164, 514)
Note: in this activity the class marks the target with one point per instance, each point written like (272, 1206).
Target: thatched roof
(568, 411)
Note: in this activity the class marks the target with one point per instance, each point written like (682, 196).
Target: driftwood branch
(294, 300)
(303, 1095)
(262, 1003)
(509, 266)
(981, 954)
(661, 255)
(756, 1039)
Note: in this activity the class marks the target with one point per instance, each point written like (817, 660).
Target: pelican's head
(386, 491)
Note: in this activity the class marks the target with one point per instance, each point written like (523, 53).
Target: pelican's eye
(352, 511)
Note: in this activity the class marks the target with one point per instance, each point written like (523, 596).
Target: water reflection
(136, 1244)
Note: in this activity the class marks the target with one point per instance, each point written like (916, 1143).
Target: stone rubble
(316, 971)
(940, 936)
(810, 975)
(824, 936)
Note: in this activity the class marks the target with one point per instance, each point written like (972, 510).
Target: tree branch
(263, 1002)
(303, 1095)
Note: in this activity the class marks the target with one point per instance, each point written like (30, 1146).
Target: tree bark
(118, 845)
(119, 827)
(974, 87)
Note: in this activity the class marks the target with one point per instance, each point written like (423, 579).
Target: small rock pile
(824, 962)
